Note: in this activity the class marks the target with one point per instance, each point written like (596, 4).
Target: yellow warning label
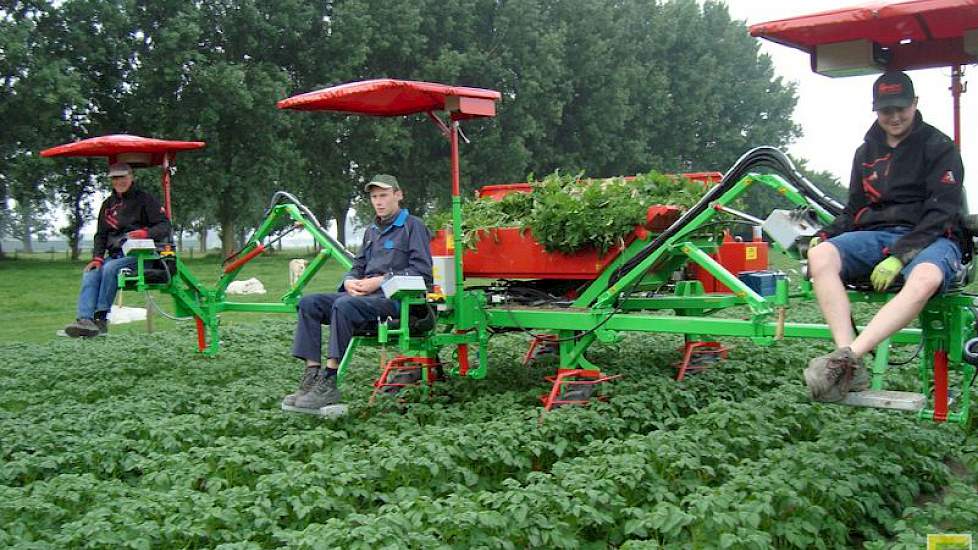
(949, 541)
(750, 252)
(449, 241)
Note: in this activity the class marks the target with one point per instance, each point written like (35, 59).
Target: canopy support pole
(166, 185)
(957, 88)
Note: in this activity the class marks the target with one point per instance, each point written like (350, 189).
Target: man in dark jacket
(128, 213)
(397, 243)
(903, 217)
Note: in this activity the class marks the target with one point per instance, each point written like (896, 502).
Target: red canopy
(113, 145)
(934, 28)
(389, 97)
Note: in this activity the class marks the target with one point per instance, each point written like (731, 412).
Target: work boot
(102, 323)
(84, 328)
(324, 392)
(306, 384)
(830, 377)
(860, 377)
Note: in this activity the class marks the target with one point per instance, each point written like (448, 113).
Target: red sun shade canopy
(932, 31)
(389, 97)
(113, 145)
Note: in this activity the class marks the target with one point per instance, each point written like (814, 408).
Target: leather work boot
(306, 384)
(323, 393)
(860, 377)
(829, 377)
(83, 328)
(103, 326)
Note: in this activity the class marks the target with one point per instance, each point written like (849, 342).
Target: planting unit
(669, 275)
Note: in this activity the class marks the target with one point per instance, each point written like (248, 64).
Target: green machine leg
(880, 364)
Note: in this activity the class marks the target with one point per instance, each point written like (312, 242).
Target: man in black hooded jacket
(128, 213)
(903, 217)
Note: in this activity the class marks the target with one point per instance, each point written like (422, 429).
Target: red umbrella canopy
(389, 97)
(112, 146)
(919, 33)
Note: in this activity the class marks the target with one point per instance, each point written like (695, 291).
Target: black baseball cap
(892, 89)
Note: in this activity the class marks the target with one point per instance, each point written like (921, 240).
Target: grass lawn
(39, 294)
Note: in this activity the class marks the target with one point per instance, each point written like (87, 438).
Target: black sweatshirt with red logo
(134, 209)
(917, 184)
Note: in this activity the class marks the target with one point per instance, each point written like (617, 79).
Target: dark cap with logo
(384, 181)
(892, 89)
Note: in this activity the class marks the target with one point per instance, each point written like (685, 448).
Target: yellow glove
(814, 242)
(885, 272)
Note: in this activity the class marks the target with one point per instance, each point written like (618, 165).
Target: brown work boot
(306, 384)
(83, 328)
(830, 377)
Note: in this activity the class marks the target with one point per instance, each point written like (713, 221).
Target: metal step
(883, 399)
(329, 411)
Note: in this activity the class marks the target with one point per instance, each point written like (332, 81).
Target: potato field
(134, 441)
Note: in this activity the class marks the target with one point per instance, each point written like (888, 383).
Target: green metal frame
(192, 298)
(603, 310)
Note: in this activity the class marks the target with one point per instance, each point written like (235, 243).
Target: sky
(834, 113)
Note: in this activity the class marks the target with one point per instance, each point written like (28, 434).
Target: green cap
(384, 181)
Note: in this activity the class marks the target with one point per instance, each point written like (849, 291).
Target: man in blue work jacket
(397, 243)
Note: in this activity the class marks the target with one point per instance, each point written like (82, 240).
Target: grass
(39, 295)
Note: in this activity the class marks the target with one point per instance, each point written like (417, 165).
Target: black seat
(421, 319)
(158, 271)
(864, 285)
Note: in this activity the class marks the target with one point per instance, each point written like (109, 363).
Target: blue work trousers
(343, 313)
(99, 286)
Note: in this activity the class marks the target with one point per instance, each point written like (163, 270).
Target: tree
(33, 86)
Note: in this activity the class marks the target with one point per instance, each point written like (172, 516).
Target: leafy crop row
(139, 443)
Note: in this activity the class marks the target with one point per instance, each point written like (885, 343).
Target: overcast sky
(834, 113)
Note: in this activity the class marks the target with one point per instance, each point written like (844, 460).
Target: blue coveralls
(401, 248)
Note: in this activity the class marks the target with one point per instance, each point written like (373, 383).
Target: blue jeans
(343, 313)
(99, 286)
(862, 250)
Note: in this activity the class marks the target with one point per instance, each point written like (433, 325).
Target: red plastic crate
(508, 253)
(497, 192)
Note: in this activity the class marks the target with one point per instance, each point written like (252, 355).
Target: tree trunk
(180, 240)
(227, 236)
(339, 214)
(26, 227)
(75, 222)
(202, 240)
(26, 238)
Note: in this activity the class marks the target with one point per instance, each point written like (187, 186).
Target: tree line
(606, 88)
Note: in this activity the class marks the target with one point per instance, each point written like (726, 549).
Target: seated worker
(128, 213)
(903, 217)
(397, 243)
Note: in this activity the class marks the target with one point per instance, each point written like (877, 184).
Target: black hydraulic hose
(751, 160)
(305, 210)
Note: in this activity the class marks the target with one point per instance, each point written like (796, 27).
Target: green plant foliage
(568, 213)
(136, 442)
